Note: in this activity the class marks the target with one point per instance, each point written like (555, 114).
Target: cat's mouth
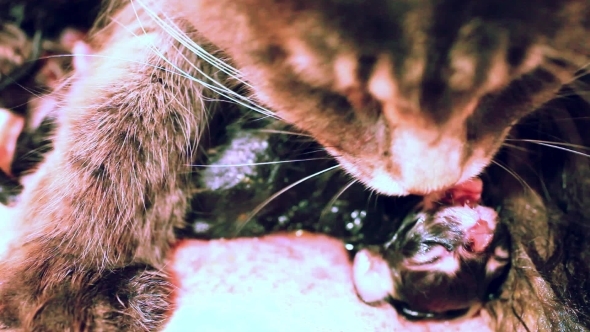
(416, 168)
(464, 193)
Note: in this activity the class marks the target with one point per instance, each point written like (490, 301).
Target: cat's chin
(385, 184)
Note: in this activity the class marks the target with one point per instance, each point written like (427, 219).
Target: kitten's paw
(128, 299)
(371, 276)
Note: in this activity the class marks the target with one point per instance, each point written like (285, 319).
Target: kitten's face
(409, 95)
(447, 261)
(439, 264)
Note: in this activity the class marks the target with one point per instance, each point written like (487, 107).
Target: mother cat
(410, 96)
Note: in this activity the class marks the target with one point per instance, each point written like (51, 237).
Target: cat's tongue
(467, 193)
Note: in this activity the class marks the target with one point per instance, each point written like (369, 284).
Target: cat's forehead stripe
(382, 84)
(463, 68)
(300, 55)
(345, 67)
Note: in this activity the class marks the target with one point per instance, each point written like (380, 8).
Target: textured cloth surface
(279, 283)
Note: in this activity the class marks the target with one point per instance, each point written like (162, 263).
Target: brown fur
(145, 116)
(117, 183)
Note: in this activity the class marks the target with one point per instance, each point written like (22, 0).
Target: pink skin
(371, 276)
(465, 194)
(480, 236)
(280, 282)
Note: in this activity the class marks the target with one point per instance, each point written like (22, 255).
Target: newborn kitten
(411, 96)
(442, 263)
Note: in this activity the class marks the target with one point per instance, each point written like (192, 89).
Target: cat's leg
(99, 220)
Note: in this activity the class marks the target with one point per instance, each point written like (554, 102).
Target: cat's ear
(371, 276)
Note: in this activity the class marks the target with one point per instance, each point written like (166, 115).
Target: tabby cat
(410, 96)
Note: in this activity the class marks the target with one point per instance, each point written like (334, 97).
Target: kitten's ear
(481, 233)
(371, 276)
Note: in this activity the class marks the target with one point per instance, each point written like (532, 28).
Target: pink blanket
(278, 283)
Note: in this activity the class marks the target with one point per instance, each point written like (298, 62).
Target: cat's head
(410, 96)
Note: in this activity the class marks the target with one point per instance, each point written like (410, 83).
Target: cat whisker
(567, 94)
(178, 35)
(513, 146)
(218, 87)
(553, 56)
(34, 151)
(582, 90)
(314, 151)
(187, 42)
(372, 195)
(335, 198)
(222, 89)
(564, 149)
(285, 132)
(556, 145)
(261, 206)
(583, 71)
(35, 95)
(259, 164)
(516, 176)
(576, 88)
(549, 142)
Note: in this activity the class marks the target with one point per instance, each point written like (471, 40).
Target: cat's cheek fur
(378, 180)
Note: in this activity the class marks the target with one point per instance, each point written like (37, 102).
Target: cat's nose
(416, 164)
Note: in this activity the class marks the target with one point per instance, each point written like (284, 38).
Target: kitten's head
(438, 265)
(410, 96)
(447, 262)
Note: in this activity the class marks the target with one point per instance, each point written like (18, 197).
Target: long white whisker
(177, 34)
(335, 198)
(555, 146)
(284, 132)
(261, 163)
(221, 89)
(549, 142)
(564, 149)
(280, 192)
(516, 176)
(516, 147)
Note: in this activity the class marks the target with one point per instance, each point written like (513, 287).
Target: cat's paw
(139, 299)
(54, 298)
